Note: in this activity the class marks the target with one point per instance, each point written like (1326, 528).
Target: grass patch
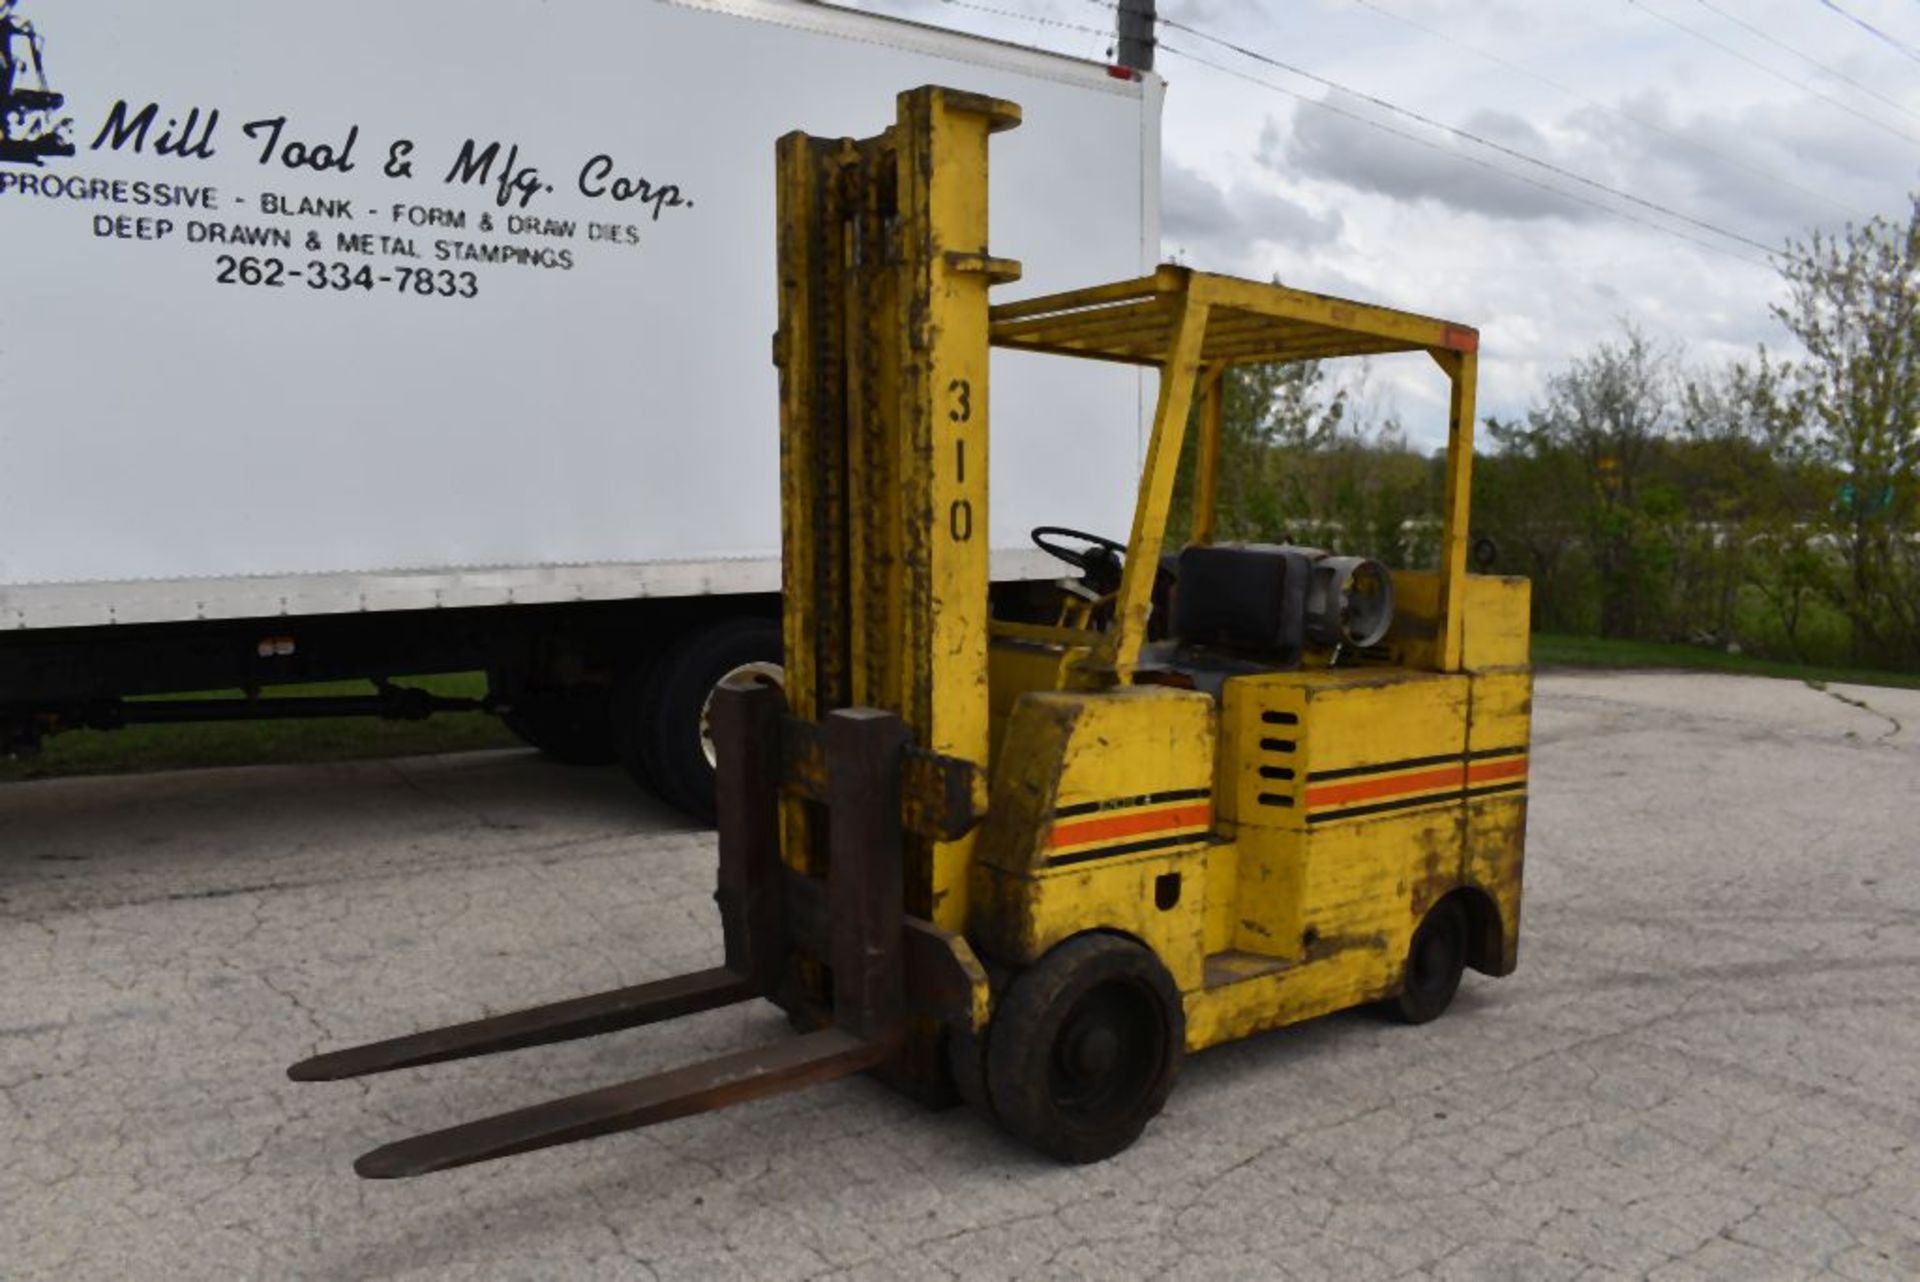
(245, 743)
(1557, 650)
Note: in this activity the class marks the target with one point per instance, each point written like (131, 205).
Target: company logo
(31, 126)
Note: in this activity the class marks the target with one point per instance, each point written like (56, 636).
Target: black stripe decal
(1407, 803)
(1412, 763)
(1188, 838)
(1127, 803)
(1382, 807)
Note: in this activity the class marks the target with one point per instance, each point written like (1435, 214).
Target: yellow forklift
(1037, 859)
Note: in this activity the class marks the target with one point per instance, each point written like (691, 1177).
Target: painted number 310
(960, 514)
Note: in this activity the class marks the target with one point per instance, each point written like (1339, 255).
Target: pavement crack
(1861, 704)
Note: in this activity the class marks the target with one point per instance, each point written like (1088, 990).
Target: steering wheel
(1099, 562)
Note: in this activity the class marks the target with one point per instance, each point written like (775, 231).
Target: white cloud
(1347, 149)
(1224, 223)
(1259, 183)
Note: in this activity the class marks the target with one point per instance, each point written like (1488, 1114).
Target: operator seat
(1246, 598)
(1237, 609)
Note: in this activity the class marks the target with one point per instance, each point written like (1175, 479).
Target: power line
(1430, 123)
(1034, 18)
(1477, 139)
(1872, 30)
(1382, 126)
(1761, 170)
(1804, 57)
(1781, 76)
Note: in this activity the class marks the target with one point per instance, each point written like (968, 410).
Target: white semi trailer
(367, 339)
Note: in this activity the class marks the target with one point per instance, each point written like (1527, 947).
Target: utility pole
(1136, 34)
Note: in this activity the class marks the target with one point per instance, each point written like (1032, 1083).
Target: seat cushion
(1249, 597)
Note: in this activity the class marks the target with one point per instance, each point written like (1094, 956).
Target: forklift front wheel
(1435, 960)
(1085, 1047)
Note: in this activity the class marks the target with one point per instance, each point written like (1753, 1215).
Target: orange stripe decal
(1488, 771)
(1134, 823)
(1453, 777)
(1340, 794)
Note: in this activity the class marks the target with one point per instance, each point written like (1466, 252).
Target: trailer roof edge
(921, 37)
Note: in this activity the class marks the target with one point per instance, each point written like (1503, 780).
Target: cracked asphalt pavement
(1707, 1066)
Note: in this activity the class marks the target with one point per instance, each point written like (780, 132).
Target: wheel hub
(1092, 1052)
(1105, 1055)
(772, 674)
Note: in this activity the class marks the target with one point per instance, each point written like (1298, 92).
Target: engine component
(1349, 600)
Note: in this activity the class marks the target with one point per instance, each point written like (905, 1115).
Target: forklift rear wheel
(1084, 1048)
(666, 741)
(1435, 960)
(570, 724)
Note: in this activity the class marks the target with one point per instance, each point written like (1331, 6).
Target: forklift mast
(883, 357)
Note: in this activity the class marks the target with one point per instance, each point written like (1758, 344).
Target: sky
(1693, 139)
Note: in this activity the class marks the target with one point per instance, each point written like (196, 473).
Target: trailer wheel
(570, 725)
(1085, 1047)
(1435, 960)
(665, 740)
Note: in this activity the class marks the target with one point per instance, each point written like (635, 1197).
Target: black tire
(573, 725)
(660, 711)
(967, 1065)
(1084, 1048)
(1436, 958)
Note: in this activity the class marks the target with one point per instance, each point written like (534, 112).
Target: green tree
(1608, 412)
(1268, 409)
(1305, 461)
(1854, 304)
(1528, 498)
(1742, 461)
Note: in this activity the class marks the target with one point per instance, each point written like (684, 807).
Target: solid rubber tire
(1436, 959)
(1039, 1008)
(967, 1065)
(659, 716)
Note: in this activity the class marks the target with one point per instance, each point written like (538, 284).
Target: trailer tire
(1085, 1047)
(661, 714)
(571, 725)
(1436, 958)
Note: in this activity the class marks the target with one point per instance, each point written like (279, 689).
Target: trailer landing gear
(569, 724)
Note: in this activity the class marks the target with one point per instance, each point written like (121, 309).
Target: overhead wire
(1654, 126)
(1427, 121)
(1778, 43)
(1781, 76)
(1477, 139)
(1872, 30)
(1036, 19)
(1481, 162)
